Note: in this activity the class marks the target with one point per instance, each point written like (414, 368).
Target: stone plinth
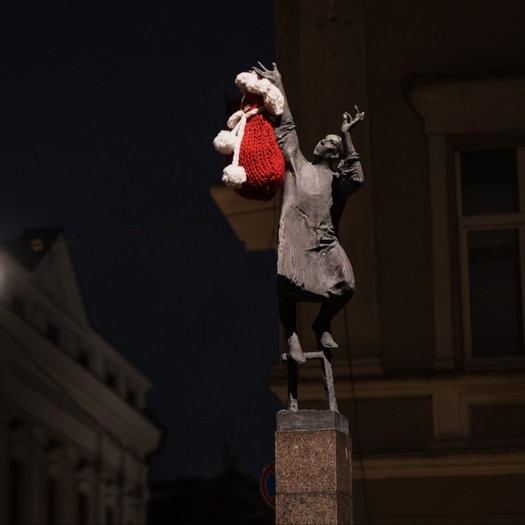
(313, 471)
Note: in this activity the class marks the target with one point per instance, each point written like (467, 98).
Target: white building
(73, 435)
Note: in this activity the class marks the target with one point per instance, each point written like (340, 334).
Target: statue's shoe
(324, 337)
(294, 350)
(327, 340)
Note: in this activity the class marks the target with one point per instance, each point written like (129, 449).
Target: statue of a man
(311, 265)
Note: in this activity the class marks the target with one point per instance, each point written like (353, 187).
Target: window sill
(495, 363)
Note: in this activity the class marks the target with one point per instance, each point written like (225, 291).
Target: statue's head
(329, 148)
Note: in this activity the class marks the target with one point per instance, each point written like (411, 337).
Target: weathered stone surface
(313, 509)
(316, 461)
(313, 469)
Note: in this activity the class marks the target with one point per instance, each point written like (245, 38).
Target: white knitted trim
(225, 142)
(234, 176)
(229, 142)
(234, 119)
(272, 96)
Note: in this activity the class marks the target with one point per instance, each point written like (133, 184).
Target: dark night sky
(108, 113)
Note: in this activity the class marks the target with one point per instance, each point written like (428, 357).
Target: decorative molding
(376, 388)
(458, 108)
(471, 106)
(494, 463)
(20, 281)
(32, 391)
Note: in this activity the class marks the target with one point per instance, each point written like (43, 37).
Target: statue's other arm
(350, 169)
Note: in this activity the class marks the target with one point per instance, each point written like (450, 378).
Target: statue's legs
(288, 316)
(322, 324)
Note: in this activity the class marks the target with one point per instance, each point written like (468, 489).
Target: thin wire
(275, 208)
(39, 244)
(271, 246)
(162, 226)
(356, 426)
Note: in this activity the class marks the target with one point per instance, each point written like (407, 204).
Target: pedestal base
(313, 459)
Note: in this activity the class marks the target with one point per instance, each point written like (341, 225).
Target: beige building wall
(439, 436)
(438, 431)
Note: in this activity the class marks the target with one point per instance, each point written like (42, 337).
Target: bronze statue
(312, 266)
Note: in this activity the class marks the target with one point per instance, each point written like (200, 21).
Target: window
(52, 501)
(466, 112)
(84, 358)
(491, 207)
(110, 516)
(111, 380)
(53, 333)
(131, 397)
(14, 488)
(83, 504)
(18, 305)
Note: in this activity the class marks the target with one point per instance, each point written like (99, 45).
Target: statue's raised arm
(285, 131)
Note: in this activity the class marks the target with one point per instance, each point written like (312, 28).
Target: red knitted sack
(260, 155)
(255, 164)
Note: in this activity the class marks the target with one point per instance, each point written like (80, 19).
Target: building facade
(431, 369)
(74, 439)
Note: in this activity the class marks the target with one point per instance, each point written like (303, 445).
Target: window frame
(453, 111)
(487, 222)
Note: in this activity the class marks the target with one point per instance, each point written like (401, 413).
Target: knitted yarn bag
(254, 163)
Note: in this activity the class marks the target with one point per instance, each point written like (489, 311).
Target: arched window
(53, 500)
(14, 491)
(20, 493)
(83, 508)
(56, 483)
(85, 489)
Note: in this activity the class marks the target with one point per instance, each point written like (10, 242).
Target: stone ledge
(310, 420)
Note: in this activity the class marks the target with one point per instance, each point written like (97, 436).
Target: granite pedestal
(313, 468)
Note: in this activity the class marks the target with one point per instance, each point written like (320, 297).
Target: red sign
(267, 485)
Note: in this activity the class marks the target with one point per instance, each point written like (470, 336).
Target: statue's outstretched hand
(273, 75)
(350, 122)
